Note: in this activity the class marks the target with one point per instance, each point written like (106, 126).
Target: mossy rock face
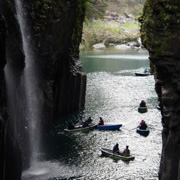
(65, 16)
(159, 24)
(160, 32)
(44, 12)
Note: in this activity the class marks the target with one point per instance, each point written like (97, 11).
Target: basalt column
(160, 31)
(58, 28)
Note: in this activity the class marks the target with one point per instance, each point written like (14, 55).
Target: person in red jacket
(141, 122)
(101, 122)
(142, 125)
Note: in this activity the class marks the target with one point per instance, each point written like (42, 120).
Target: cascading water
(31, 80)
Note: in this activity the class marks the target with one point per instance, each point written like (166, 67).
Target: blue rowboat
(142, 109)
(109, 153)
(81, 129)
(109, 127)
(142, 74)
(143, 132)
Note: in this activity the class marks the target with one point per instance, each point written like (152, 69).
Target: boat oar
(114, 153)
(133, 128)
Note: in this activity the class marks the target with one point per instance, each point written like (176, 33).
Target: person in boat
(101, 122)
(143, 125)
(142, 121)
(145, 71)
(126, 152)
(142, 104)
(89, 120)
(71, 125)
(116, 149)
(85, 124)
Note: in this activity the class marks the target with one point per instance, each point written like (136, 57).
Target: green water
(114, 93)
(113, 60)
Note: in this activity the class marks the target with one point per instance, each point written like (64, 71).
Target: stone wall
(160, 32)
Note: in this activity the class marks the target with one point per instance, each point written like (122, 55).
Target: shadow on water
(65, 144)
(61, 122)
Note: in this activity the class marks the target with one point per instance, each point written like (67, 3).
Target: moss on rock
(162, 17)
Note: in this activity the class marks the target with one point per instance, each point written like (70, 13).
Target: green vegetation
(99, 31)
(111, 21)
(99, 25)
(110, 32)
(133, 7)
(96, 9)
(131, 25)
(158, 34)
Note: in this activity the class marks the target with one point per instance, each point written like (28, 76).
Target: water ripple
(115, 96)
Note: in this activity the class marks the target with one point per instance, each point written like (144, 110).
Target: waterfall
(30, 79)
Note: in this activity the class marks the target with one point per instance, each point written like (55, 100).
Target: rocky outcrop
(55, 33)
(160, 27)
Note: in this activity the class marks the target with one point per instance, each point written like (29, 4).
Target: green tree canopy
(96, 9)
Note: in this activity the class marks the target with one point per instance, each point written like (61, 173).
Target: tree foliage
(96, 9)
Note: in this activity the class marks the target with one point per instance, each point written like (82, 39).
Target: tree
(96, 9)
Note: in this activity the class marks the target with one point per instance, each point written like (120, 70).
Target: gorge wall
(160, 32)
(10, 156)
(46, 33)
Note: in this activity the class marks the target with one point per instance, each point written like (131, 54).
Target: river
(113, 93)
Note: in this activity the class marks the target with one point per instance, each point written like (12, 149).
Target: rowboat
(142, 109)
(142, 74)
(90, 127)
(109, 127)
(143, 132)
(109, 153)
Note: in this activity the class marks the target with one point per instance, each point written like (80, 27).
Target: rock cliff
(10, 155)
(160, 27)
(55, 33)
